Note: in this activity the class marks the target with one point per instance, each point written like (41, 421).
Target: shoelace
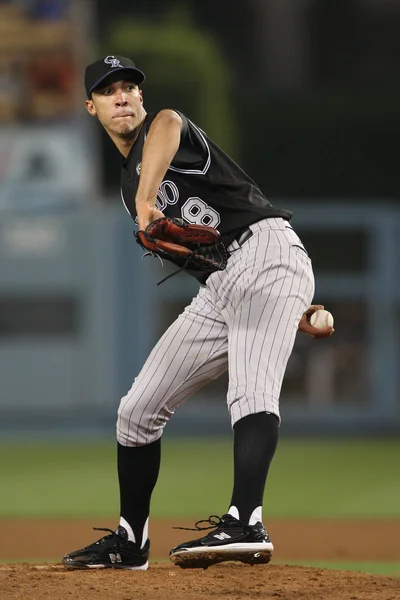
(213, 520)
(110, 531)
(104, 529)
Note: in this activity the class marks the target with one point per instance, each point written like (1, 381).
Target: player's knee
(135, 438)
(132, 434)
(136, 427)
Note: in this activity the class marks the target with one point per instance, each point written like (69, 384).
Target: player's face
(118, 106)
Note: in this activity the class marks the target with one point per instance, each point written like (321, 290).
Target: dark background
(331, 131)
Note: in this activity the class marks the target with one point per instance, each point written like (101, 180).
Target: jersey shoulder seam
(208, 161)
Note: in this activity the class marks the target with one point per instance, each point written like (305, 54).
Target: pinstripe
(250, 351)
(245, 317)
(166, 340)
(158, 349)
(250, 307)
(205, 376)
(305, 302)
(193, 326)
(150, 362)
(286, 338)
(268, 330)
(242, 374)
(224, 292)
(243, 327)
(287, 335)
(190, 333)
(271, 319)
(166, 393)
(278, 318)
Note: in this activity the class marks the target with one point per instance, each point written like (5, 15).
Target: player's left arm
(160, 147)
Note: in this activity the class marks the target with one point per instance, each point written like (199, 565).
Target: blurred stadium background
(305, 94)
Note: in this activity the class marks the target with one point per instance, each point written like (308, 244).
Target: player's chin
(125, 130)
(126, 126)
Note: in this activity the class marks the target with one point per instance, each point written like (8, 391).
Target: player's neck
(124, 144)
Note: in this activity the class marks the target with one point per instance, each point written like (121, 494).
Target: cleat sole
(82, 567)
(203, 560)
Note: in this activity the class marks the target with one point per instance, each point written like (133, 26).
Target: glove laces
(154, 255)
(170, 275)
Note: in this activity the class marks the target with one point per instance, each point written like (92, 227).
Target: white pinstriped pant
(243, 319)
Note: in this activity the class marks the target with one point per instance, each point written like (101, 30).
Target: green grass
(308, 478)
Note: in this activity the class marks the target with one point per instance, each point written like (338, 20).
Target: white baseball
(321, 319)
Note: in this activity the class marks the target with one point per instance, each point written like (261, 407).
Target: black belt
(243, 236)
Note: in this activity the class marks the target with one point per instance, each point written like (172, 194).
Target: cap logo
(111, 60)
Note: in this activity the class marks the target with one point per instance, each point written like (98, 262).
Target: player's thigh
(192, 352)
(263, 332)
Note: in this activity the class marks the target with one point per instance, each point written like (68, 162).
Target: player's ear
(90, 107)
(141, 96)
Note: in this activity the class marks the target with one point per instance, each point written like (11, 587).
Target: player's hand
(306, 327)
(147, 214)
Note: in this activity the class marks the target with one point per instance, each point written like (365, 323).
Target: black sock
(255, 441)
(138, 469)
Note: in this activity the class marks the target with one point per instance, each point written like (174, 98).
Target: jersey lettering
(202, 192)
(168, 193)
(196, 211)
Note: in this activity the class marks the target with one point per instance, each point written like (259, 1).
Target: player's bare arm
(306, 327)
(160, 147)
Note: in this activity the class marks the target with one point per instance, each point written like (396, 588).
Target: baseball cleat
(112, 551)
(231, 540)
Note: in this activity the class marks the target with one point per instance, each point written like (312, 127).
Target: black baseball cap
(101, 69)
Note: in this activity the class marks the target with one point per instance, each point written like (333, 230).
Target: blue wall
(81, 310)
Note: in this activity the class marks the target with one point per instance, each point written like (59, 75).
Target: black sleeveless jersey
(202, 184)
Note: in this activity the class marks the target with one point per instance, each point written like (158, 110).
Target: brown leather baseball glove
(195, 247)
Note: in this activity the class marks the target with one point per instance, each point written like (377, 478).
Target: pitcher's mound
(229, 581)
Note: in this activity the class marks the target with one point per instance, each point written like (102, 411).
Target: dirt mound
(294, 540)
(163, 581)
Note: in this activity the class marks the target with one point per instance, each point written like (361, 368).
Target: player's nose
(121, 99)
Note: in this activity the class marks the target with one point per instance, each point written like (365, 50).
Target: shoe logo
(115, 558)
(222, 536)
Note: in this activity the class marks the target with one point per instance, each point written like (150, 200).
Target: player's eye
(130, 87)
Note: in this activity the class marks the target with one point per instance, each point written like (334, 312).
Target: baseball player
(244, 319)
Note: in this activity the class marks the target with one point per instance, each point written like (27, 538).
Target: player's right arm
(161, 145)
(306, 327)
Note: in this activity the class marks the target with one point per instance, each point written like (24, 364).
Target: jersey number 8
(196, 211)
